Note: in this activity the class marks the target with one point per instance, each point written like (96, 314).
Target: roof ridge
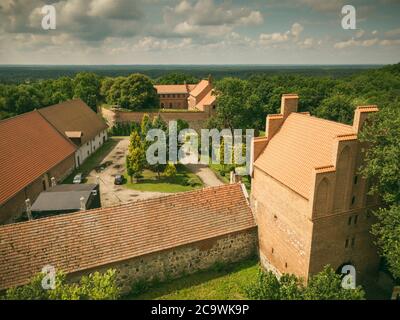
(314, 118)
(58, 131)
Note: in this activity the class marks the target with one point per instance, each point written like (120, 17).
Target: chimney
(361, 114)
(83, 204)
(210, 79)
(289, 104)
(53, 182)
(28, 209)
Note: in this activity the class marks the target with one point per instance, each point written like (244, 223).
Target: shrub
(170, 170)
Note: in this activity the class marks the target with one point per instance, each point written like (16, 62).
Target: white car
(77, 179)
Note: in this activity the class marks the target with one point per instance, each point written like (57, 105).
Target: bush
(326, 285)
(170, 170)
(95, 286)
(193, 182)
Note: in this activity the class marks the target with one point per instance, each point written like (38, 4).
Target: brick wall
(196, 120)
(14, 207)
(284, 231)
(176, 262)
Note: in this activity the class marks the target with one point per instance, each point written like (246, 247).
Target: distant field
(20, 73)
(224, 283)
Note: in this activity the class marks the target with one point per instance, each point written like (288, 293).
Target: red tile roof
(74, 115)
(199, 88)
(171, 88)
(302, 144)
(30, 147)
(88, 239)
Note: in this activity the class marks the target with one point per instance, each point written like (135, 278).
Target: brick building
(155, 238)
(195, 97)
(32, 152)
(310, 203)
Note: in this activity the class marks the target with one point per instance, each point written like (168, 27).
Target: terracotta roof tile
(302, 144)
(199, 88)
(171, 88)
(88, 239)
(30, 147)
(74, 115)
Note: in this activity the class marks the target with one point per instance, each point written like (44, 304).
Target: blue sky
(199, 32)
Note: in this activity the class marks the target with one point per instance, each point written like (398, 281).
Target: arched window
(321, 199)
(342, 178)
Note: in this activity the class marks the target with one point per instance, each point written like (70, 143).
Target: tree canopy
(95, 286)
(326, 285)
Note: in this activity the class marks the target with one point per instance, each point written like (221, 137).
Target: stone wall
(182, 260)
(196, 119)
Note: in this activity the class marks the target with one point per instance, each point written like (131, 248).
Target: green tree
(337, 108)
(170, 170)
(95, 286)
(87, 88)
(326, 285)
(177, 78)
(381, 168)
(134, 92)
(145, 125)
(136, 156)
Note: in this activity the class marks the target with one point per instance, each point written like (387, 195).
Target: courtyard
(109, 161)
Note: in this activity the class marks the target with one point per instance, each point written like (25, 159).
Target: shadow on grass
(93, 161)
(156, 289)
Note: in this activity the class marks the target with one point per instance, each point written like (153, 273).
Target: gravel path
(112, 194)
(205, 174)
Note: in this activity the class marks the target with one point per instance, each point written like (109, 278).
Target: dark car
(118, 179)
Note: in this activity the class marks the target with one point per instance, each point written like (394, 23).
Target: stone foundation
(183, 260)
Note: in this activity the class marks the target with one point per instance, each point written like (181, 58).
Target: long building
(32, 152)
(194, 97)
(143, 240)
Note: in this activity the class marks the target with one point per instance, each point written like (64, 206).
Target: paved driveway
(112, 194)
(205, 174)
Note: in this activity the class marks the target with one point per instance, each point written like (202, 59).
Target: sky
(199, 32)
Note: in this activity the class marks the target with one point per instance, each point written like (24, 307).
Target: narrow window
(355, 179)
(353, 241)
(346, 245)
(353, 200)
(285, 264)
(349, 222)
(272, 250)
(355, 219)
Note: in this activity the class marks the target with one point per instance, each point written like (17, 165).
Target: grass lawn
(150, 181)
(217, 168)
(223, 283)
(93, 160)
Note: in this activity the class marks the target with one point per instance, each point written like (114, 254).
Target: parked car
(77, 178)
(118, 179)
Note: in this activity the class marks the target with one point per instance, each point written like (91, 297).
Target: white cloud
(393, 32)
(356, 43)
(293, 34)
(208, 13)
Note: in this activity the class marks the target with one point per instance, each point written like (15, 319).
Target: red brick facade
(309, 219)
